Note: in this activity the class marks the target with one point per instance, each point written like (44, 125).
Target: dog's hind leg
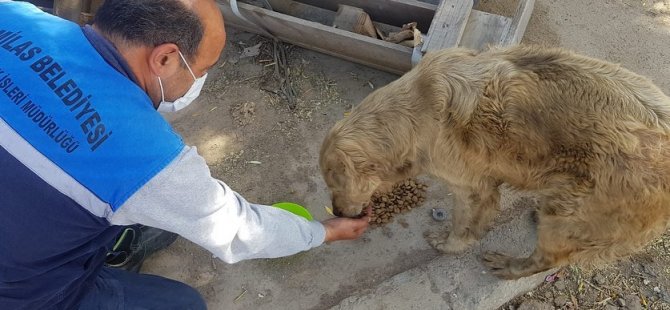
(553, 249)
(511, 268)
(560, 234)
(595, 236)
(473, 213)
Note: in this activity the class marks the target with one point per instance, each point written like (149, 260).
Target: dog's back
(589, 136)
(551, 109)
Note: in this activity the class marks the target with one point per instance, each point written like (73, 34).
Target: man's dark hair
(151, 23)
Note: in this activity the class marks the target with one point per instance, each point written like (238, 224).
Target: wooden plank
(448, 24)
(317, 14)
(483, 29)
(354, 19)
(392, 12)
(303, 11)
(357, 48)
(514, 33)
(68, 9)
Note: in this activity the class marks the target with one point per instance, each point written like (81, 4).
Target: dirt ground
(268, 152)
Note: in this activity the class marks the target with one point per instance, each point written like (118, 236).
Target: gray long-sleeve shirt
(184, 198)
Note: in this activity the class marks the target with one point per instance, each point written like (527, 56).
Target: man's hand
(341, 228)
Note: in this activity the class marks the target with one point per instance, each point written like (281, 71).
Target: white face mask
(187, 98)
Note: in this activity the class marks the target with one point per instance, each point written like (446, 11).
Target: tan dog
(589, 138)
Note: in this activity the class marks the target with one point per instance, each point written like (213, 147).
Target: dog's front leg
(473, 212)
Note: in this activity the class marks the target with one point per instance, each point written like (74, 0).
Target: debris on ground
(637, 283)
(251, 51)
(243, 113)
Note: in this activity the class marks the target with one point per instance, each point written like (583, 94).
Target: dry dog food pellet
(403, 197)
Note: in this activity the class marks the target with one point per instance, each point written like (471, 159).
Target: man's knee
(189, 297)
(148, 291)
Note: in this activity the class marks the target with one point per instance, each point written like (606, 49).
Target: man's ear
(164, 60)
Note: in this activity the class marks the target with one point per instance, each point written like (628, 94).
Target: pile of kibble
(404, 197)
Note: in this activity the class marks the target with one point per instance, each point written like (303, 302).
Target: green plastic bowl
(294, 208)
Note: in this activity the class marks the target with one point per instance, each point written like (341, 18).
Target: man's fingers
(361, 226)
(345, 228)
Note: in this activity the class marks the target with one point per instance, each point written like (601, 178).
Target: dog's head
(351, 177)
(355, 164)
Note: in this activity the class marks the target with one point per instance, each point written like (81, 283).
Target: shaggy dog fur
(589, 138)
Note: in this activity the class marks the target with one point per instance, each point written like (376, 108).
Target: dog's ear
(405, 169)
(369, 168)
(376, 169)
(356, 163)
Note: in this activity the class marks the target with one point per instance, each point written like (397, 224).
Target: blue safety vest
(77, 140)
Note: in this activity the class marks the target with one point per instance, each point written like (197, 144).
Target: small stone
(611, 307)
(599, 279)
(560, 285)
(587, 296)
(621, 302)
(657, 289)
(665, 296)
(535, 305)
(646, 282)
(560, 301)
(632, 302)
(649, 270)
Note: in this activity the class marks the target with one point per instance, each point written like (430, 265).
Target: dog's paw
(500, 265)
(436, 239)
(446, 243)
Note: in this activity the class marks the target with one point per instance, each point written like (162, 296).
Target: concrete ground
(237, 123)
